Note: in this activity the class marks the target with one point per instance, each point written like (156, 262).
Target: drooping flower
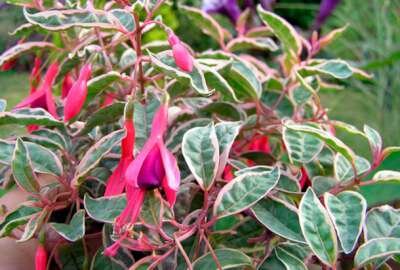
(116, 182)
(77, 94)
(8, 65)
(154, 167)
(66, 85)
(182, 57)
(34, 78)
(43, 96)
(41, 258)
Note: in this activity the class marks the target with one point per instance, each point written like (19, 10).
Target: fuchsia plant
(143, 153)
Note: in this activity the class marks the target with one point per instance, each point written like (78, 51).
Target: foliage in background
(159, 156)
(371, 41)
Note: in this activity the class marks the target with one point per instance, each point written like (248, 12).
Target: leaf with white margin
(382, 221)
(73, 231)
(246, 43)
(333, 142)
(286, 34)
(201, 152)
(338, 69)
(301, 146)
(29, 116)
(206, 23)
(374, 139)
(244, 191)
(375, 249)
(347, 211)
(279, 217)
(165, 62)
(317, 228)
(344, 171)
(24, 47)
(228, 259)
(290, 261)
(96, 153)
(386, 175)
(33, 225)
(104, 209)
(226, 133)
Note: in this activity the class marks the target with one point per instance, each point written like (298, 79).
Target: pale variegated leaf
(228, 259)
(344, 171)
(375, 249)
(347, 211)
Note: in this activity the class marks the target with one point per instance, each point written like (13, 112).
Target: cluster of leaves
(265, 184)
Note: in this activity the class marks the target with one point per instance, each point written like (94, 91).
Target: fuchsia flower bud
(41, 258)
(66, 85)
(182, 57)
(77, 94)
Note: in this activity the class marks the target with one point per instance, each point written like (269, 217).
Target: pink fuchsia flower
(182, 57)
(116, 183)
(41, 258)
(108, 100)
(77, 94)
(154, 167)
(43, 96)
(66, 85)
(260, 143)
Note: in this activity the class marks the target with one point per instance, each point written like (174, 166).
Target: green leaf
(347, 211)
(333, 142)
(285, 109)
(374, 139)
(22, 169)
(33, 225)
(375, 249)
(322, 184)
(287, 35)
(243, 81)
(54, 136)
(57, 20)
(383, 221)
(22, 48)
(123, 19)
(107, 115)
(222, 110)
(101, 82)
(280, 218)
(338, 69)
(344, 171)
(142, 118)
(272, 263)
(301, 147)
(244, 191)
(166, 63)
(205, 22)
(386, 175)
(29, 116)
(216, 81)
(226, 133)
(201, 152)
(317, 228)
(127, 59)
(73, 231)
(104, 209)
(174, 140)
(102, 262)
(152, 209)
(246, 43)
(16, 218)
(228, 259)
(43, 160)
(96, 153)
(290, 261)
